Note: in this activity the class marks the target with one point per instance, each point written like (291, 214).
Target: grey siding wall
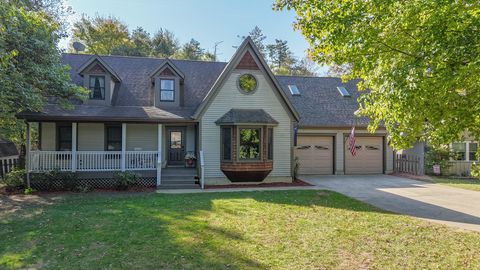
(229, 97)
(142, 136)
(48, 136)
(91, 137)
(190, 139)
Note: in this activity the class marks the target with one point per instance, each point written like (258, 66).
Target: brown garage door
(315, 154)
(369, 157)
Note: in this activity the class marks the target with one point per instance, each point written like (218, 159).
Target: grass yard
(241, 230)
(471, 184)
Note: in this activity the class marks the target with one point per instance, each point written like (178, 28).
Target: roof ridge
(144, 57)
(307, 76)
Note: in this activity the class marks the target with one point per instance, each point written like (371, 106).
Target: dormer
(100, 79)
(167, 82)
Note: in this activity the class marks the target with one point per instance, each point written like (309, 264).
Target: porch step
(179, 178)
(186, 172)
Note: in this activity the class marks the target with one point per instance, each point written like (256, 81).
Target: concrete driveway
(447, 205)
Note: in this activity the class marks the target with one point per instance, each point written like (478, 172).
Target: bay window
(226, 143)
(249, 143)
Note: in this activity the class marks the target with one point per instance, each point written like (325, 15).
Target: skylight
(294, 90)
(343, 91)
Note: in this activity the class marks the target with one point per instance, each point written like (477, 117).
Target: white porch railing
(99, 161)
(141, 160)
(92, 160)
(50, 160)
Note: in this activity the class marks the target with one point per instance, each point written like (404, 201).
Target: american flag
(351, 142)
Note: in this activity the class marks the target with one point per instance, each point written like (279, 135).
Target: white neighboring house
(8, 156)
(240, 122)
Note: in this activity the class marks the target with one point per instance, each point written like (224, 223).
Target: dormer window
(167, 90)
(97, 87)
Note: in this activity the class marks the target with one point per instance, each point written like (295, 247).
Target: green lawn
(242, 230)
(471, 184)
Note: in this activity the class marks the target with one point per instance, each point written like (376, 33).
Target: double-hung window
(97, 87)
(113, 138)
(167, 90)
(64, 138)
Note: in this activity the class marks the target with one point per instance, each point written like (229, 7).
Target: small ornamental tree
(419, 60)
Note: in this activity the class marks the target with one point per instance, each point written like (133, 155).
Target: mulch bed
(133, 190)
(295, 183)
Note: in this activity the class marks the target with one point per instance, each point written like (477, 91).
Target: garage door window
(372, 147)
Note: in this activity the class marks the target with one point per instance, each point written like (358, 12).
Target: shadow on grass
(147, 231)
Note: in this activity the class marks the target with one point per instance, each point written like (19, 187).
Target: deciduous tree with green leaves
(101, 35)
(30, 66)
(419, 60)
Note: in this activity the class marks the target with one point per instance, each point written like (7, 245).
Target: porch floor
(179, 178)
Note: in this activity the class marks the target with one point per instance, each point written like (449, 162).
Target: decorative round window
(247, 83)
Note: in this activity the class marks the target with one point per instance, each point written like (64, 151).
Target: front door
(176, 145)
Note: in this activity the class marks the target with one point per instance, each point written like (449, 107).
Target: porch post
(27, 154)
(159, 152)
(124, 145)
(74, 147)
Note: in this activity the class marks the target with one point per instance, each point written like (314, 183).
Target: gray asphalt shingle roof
(319, 102)
(7, 148)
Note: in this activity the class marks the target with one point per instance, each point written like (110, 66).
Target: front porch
(98, 150)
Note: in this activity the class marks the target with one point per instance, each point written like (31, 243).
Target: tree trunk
(22, 156)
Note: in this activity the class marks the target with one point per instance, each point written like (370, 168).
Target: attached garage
(368, 158)
(315, 154)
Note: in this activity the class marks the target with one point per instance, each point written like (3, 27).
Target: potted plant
(190, 159)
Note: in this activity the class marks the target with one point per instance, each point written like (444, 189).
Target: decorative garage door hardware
(321, 147)
(303, 147)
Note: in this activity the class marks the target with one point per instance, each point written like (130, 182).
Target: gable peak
(247, 62)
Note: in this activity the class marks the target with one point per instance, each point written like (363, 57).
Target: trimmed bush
(56, 181)
(14, 180)
(125, 180)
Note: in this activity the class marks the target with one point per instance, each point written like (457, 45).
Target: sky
(208, 21)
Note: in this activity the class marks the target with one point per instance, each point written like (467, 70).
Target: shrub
(438, 156)
(475, 172)
(14, 180)
(29, 191)
(125, 180)
(56, 180)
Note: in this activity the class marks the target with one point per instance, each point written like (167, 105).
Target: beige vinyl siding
(229, 97)
(48, 136)
(91, 137)
(142, 136)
